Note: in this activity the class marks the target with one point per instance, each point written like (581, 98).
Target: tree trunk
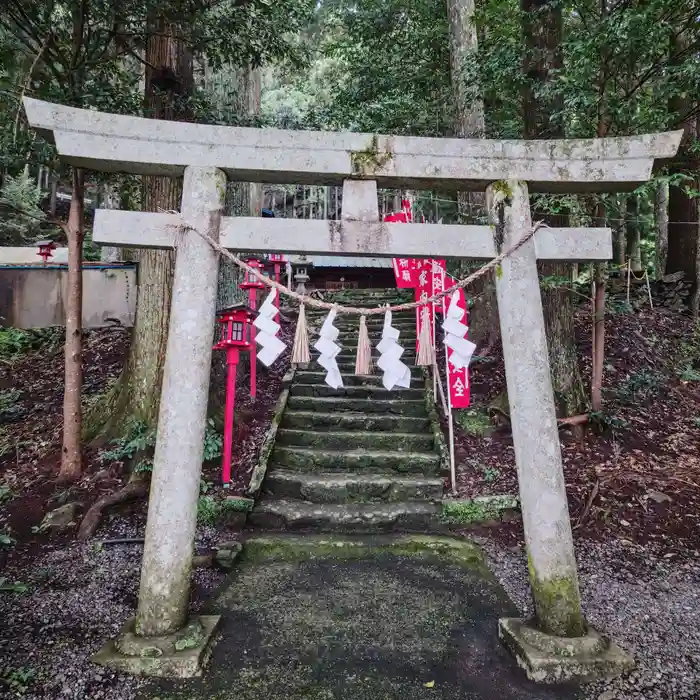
(71, 453)
(468, 122)
(542, 31)
(242, 199)
(112, 200)
(634, 236)
(661, 219)
(168, 89)
(683, 209)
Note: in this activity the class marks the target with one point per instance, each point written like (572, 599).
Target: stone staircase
(359, 458)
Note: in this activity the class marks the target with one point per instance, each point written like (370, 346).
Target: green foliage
(688, 374)
(9, 399)
(6, 539)
(606, 421)
(491, 474)
(696, 421)
(6, 494)
(20, 213)
(7, 586)
(140, 440)
(640, 386)
(474, 421)
(15, 342)
(17, 680)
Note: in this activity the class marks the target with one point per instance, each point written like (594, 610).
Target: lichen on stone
(371, 160)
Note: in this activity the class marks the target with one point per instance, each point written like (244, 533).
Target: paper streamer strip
(271, 347)
(328, 349)
(455, 330)
(396, 373)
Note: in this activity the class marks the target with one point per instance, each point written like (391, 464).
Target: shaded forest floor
(634, 472)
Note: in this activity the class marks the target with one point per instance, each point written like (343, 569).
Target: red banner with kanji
(457, 379)
(403, 267)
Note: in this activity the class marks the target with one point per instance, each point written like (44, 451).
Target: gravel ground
(648, 604)
(79, 596)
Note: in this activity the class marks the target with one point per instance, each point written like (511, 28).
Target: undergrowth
(15, 342)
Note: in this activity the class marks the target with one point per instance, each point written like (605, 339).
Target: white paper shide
(455, 330)
(328, 350)
(271, 347)
(396, 373)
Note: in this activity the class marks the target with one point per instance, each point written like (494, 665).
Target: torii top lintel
(118, 143)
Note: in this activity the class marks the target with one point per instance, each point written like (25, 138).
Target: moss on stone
(369, 161)
(557, 604)
(474, 421)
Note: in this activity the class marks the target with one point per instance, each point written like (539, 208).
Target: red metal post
(232, 355)
(253, 303)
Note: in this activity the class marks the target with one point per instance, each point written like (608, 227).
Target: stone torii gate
(161, 640)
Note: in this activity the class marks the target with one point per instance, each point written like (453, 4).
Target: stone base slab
(180, 655)
(549, 659)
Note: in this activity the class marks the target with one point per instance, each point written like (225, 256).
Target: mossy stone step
(355, 392)
(317, 421)
(354, 440)
(354, 517)
(408, 357)
(396, 406)
(322, 487)
(310, 459)
(311, 376)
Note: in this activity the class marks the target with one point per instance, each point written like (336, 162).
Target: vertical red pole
(277, 279)
(253, 302)
(232, 362)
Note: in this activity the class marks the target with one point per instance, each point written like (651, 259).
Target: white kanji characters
(406, 275)
(403, 262)
(423, 278)
(437, 283)
(458, 387)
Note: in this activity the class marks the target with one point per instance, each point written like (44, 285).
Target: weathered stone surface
(479, 510)
(119, 143)
(354, 440)
(61, 518)
(353, 421)
(373, 393)
(365, 517)
(549, 659)
(324, 405)
(306, 459)
(313, 377)
(172, 512)
(327, 237)
(179, 655)
(545, 511)
(348, 487)
(226, 554)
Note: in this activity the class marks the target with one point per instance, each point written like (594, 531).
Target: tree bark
(468, 122)
(112, 200)
(168, 89)
(71, 452)
(684, 210)
(661, 219)
(634, 237)
(542, 31)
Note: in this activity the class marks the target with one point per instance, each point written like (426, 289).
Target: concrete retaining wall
(32, 296)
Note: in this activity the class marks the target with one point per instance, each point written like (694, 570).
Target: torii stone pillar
(160, 641)
(550, 546)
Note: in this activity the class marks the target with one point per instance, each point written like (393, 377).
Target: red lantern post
(252, 284)
(277, 259)
(234, 323)
(46, 249)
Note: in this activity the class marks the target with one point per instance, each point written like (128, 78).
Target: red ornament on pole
(253, 284)
(46, 249)
(235, 323)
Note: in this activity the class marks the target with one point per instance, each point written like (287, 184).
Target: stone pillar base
(549, 659)
(180, 655)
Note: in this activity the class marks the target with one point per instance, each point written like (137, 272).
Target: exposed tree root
(137, 488)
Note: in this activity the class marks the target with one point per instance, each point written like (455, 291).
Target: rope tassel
(363, 360)
(426, 351)
(300, 351)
